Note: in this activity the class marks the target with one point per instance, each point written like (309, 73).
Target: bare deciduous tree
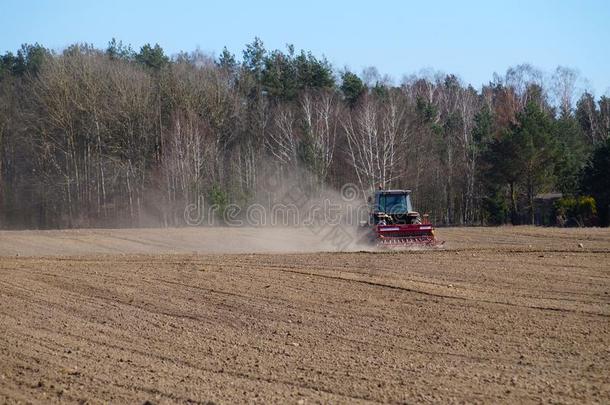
(282, 141)
(320, 115)
(374, 133)
(564, 88)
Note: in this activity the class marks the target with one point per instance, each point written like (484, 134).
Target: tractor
(393, 223)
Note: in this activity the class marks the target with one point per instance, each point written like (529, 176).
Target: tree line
(117, 137)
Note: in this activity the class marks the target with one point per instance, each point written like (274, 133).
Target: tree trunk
(530, 192)
(513, 205)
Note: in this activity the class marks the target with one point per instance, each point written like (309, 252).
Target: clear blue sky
(472, 39)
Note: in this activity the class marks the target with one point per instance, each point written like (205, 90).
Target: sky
(472, 39)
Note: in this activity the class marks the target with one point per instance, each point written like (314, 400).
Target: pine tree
(352, 87)
(596, 180)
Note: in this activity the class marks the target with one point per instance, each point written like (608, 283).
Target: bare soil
(499, 315)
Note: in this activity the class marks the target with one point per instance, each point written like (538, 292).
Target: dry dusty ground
(499, 315)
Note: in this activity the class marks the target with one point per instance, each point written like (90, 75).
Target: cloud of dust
(292, 211)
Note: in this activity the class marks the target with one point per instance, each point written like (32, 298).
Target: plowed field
(516, 314)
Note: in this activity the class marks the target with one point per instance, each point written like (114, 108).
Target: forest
(119, 137)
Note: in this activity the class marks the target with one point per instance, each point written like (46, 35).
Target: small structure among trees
(545, 211)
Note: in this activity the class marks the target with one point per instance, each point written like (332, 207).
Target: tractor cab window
(394, 203)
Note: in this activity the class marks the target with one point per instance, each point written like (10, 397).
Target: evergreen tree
(494, 205)
(596, 181)
(152, 57)
(313, 73)
(29, 59)
(254, 58)
(524, 158)
(572, 154)
(352, 87)
(537, 151)
(604, 117)
(502, 167)
(117, 50)
(227, 60)
(7, 64)
(279, 76)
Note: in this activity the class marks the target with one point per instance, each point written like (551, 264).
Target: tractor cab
(393, 207)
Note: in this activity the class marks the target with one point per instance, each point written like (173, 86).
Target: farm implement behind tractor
(395, 224)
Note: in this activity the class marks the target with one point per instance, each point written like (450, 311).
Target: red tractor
(395, 224)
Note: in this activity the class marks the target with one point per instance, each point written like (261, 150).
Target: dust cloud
(184, 240)
(288, 213)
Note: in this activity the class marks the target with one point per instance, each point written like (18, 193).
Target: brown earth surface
(499, 315)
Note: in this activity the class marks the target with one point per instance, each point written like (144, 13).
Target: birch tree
(320, 115)
(374, 134)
